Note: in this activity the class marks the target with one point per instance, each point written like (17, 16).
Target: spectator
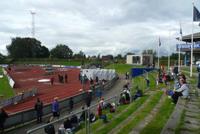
(157, 79)
(127, 75)
(67, 124)
(55, 107)
(182, 91)
(122, 98)
(82, 117)
(39, 110)
(137, 94)
(3, 117)
(147, 82)
(101, 114)
(49, 129)
(92, 117)
(71, 104)
(89, 98)
(112, 107)
(97, 79)
(175, 70)
(61, 129)
(102, 103)
(74, 121)
(91, 81)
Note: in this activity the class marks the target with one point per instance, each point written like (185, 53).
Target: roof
(187, 38)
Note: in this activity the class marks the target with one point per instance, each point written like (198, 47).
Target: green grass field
(5, 90)
(121, 68)
(48, 61)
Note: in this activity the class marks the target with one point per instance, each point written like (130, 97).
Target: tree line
(32, 48)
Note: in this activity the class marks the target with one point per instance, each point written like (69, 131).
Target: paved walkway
(116, 89)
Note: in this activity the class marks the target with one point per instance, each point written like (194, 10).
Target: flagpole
(179, 57)
(158, 53)
(158, 58)
(179, 49)
(192, 44)
(169, 52)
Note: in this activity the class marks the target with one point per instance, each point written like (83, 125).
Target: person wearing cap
(55, 107)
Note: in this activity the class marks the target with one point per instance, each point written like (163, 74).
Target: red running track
(26, 78)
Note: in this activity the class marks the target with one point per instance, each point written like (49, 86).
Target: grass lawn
(118, 119)
(121, 68)
(142, 114)
(95, 125)
(5, 90)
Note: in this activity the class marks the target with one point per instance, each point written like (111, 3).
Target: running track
(26, 78)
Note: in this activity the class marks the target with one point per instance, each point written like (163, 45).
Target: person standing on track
(66, 78)
(52, 80)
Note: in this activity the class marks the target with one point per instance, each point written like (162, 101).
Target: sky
(98, 26)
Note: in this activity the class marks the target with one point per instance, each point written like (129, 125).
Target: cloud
(98, 26)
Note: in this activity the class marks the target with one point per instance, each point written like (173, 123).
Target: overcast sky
(98, 26)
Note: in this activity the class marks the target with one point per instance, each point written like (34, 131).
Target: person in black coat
(71, 104)
(39, 110)
(67, 124)
(49, 129)
(3, 117)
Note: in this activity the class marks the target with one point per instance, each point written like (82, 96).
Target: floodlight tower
(33, 23)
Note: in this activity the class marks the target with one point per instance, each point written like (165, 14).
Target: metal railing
(87, 124)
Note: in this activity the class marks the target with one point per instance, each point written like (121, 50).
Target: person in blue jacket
(55, 107)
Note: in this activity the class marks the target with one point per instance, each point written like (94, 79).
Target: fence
(30, 115)
(10, 80)
(139, 71)
(18, 98)
(87, 123)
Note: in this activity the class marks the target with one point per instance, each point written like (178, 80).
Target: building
(186, 47)
(143, 59)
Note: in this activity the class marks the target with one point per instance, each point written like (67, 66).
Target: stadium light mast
(33, 23)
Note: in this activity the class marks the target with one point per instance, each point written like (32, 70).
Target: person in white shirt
(182, 91)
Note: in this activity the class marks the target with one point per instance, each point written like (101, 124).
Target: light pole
(33, 23)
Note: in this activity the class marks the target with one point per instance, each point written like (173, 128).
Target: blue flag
(159, 42)
(196, 14)
(181, 32)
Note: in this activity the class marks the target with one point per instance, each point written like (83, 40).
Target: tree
(119, 57)
(61, 51)
(80, 55)
(2, 57)
(27, 48)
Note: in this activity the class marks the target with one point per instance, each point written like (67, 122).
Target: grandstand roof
(187, 38)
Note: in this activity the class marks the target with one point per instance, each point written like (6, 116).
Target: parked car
(198, 67)
(197, 62)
